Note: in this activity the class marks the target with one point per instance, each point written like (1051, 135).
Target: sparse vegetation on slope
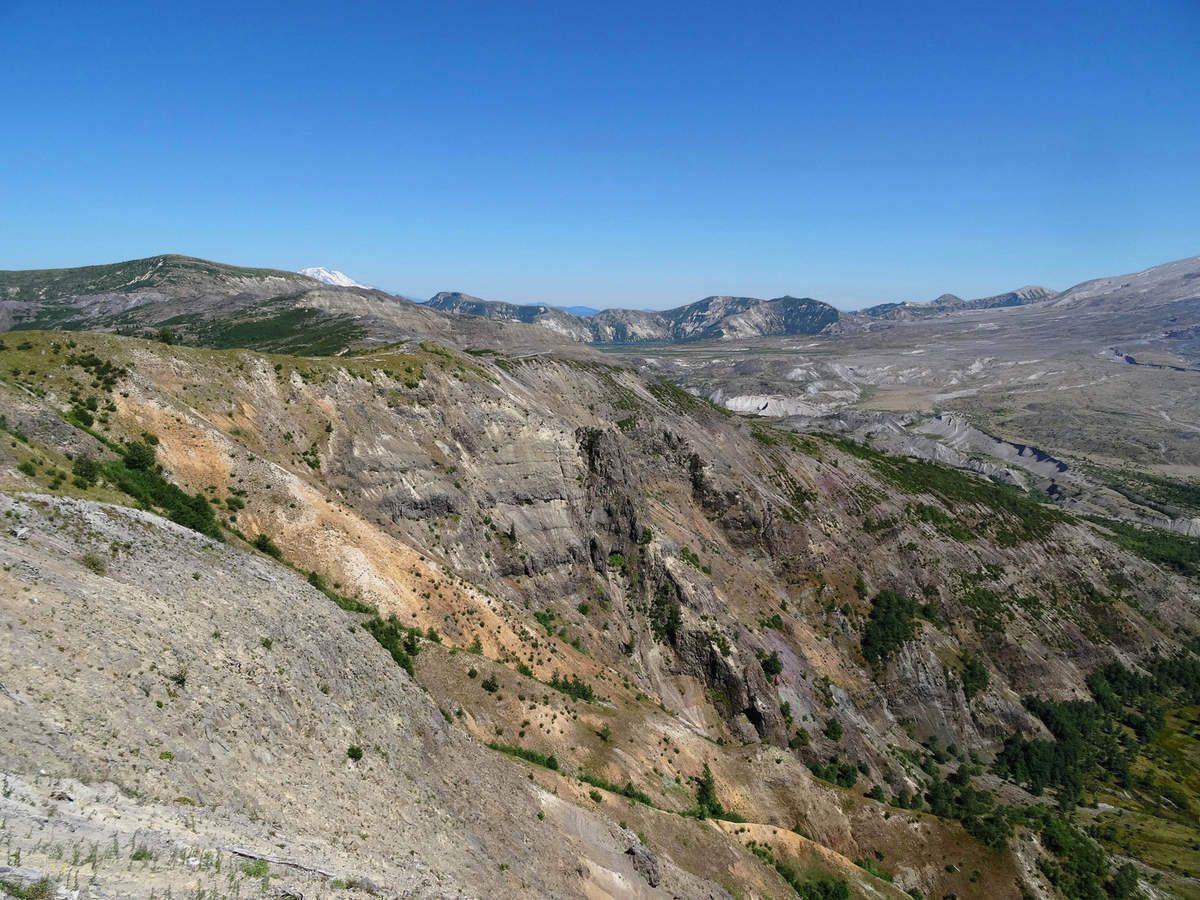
(1008, 514)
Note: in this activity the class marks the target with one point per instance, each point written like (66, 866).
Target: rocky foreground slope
(713, 656)
(183, 710)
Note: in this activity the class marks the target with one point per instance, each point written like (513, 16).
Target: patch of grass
(766, 436)
(1159, 821)
(869, 865)
(94, 563)
(39, 890)
(541, 759)
(298, 332)
(807, 885)
(942, 521)
(627, 791)
(350, 604)
(1165, 548)
(671, 394)
(256, 868)
(1008, 514)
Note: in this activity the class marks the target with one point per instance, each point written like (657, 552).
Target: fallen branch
(278, 861)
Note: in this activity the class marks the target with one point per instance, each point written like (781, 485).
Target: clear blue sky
(635, 154)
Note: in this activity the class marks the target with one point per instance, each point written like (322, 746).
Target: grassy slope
(49, 284)
(1158, 818)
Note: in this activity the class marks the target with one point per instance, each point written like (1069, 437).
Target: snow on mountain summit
(330, 276)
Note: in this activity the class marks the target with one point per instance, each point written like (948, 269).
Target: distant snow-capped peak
(330, 276)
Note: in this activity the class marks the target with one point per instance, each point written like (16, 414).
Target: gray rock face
(645, 864)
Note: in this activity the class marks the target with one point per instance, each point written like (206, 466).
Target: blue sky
(611, 154)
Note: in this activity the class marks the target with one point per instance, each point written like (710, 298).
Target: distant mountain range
(713, 318)
(322, 310)
(717, 318)
(948, 303)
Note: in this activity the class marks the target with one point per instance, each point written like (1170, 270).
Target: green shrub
(38, 890)
(666, 614)
(355, 752)
(573, 686)
(891, 624)
(145, 483)
(975, 676)
(772, 664)
(843, 774)
(402, 643)
(707, 804)
(1011, 515)
(86, 471)
(946, 524)
(264, 543)
(692, 559)
(627, 791)
(1166, 548)
(140, 456)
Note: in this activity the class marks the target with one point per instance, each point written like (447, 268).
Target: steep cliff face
(627, 578)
